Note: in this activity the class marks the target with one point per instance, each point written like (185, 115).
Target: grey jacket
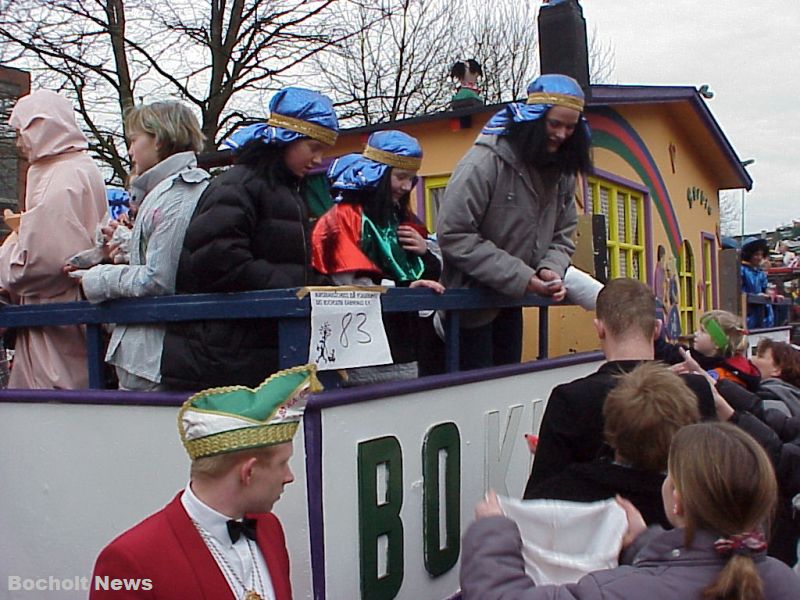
(168, 193)
(492, 568)
(773, 388)
(500, 221)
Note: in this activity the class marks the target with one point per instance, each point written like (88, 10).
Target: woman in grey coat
(719, 492)
(508, 214)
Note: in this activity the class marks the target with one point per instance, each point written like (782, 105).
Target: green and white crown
(233, 418)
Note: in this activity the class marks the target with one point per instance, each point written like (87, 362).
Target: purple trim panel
(399, 388)
(96, 397)
(648, 238)
(312, 430)
(419, 190)
(614, 178)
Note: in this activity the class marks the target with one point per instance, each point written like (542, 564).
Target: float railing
(292, 312)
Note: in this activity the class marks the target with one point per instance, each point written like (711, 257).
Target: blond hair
(644, 411)
(732, 326)
(727, 485)
(625, 304)
(214, 467)
(174, 126)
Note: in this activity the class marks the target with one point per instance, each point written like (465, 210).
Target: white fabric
(563, 541)
(238, 555)
(198, 424)
(582, 288)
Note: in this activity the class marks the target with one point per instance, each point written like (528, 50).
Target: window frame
(432, 182)
(708, 244)
(623, 249)
(687, 277)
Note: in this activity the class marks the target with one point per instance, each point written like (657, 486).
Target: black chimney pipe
(562, 41)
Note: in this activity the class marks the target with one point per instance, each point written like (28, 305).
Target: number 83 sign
(347, 329)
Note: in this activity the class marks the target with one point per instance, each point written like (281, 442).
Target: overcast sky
(748, 52)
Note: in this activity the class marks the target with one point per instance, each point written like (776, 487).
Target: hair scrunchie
(743, 544)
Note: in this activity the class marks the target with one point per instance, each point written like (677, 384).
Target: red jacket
(167, 550)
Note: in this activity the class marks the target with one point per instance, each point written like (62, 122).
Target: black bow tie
(246, 527)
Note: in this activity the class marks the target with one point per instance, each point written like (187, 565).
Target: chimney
(562, 41)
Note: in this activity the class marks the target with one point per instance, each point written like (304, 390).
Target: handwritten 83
(361, 335)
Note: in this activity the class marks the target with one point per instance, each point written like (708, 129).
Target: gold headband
(312, 130)
(411, 163)
(556, 99)
(241, 439)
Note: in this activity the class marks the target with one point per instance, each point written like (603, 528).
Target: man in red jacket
(217, 539)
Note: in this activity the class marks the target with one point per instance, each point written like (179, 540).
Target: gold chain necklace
(227, 568)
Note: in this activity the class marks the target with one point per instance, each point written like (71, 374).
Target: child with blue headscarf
(371, 235)
(249, 232)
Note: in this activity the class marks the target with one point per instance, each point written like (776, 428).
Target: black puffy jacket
(245, 235)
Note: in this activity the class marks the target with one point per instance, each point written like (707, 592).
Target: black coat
(602, 479)
(245, 234)
(572, 426)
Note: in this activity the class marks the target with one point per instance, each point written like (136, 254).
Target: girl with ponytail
(719, 495)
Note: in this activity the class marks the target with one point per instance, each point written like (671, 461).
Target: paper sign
(347, 330)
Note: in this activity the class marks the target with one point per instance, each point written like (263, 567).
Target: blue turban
(294, 113)
(384, 149)
(544, 92)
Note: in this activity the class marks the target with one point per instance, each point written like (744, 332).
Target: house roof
(686, 104)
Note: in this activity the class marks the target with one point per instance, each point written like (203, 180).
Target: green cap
(233, 418)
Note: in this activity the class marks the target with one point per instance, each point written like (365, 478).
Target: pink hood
(46, 125)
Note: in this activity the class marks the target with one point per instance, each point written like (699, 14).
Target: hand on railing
(547, 283)
(428, 283)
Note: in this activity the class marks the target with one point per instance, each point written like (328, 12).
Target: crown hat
(233, 418)
(384, 149)
(295, 113)
(544, 92)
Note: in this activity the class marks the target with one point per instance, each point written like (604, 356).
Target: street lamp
(745, 164)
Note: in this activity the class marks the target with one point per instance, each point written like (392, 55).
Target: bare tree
(393, 59)
(730, 213)
(221, 56)
(602, 60)
(502, 36)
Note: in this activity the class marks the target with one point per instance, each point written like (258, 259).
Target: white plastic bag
(563, 541)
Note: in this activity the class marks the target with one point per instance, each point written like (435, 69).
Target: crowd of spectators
(506, 223)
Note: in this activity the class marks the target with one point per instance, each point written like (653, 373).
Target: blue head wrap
(118, 202)
(384, 149)
(544, 92)
(294, 113)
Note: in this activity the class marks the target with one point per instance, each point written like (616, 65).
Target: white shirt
(213, 529)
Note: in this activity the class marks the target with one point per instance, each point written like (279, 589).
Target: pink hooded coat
(65, 201)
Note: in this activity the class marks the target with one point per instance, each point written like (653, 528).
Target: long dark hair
(529, 139)
(267, 160)
(377, 203)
